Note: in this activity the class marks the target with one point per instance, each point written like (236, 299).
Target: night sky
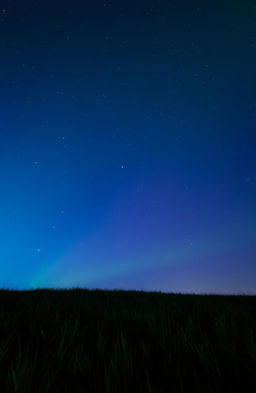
(127, 150)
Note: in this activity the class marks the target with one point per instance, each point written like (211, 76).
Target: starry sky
(127, 150)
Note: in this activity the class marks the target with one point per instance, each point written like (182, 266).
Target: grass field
(118, 341)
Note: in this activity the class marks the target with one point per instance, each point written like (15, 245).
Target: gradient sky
(128, 145)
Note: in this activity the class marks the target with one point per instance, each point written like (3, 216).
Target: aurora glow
(127, 151)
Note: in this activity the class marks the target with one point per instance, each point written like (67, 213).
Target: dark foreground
(126, 341)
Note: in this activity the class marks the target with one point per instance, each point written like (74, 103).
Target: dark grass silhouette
(81, 340)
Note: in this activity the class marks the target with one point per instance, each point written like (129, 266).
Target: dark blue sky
(127, 150)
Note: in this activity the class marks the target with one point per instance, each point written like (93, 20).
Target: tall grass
(81, 340)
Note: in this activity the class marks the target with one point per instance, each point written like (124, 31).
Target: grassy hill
(118, 341)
